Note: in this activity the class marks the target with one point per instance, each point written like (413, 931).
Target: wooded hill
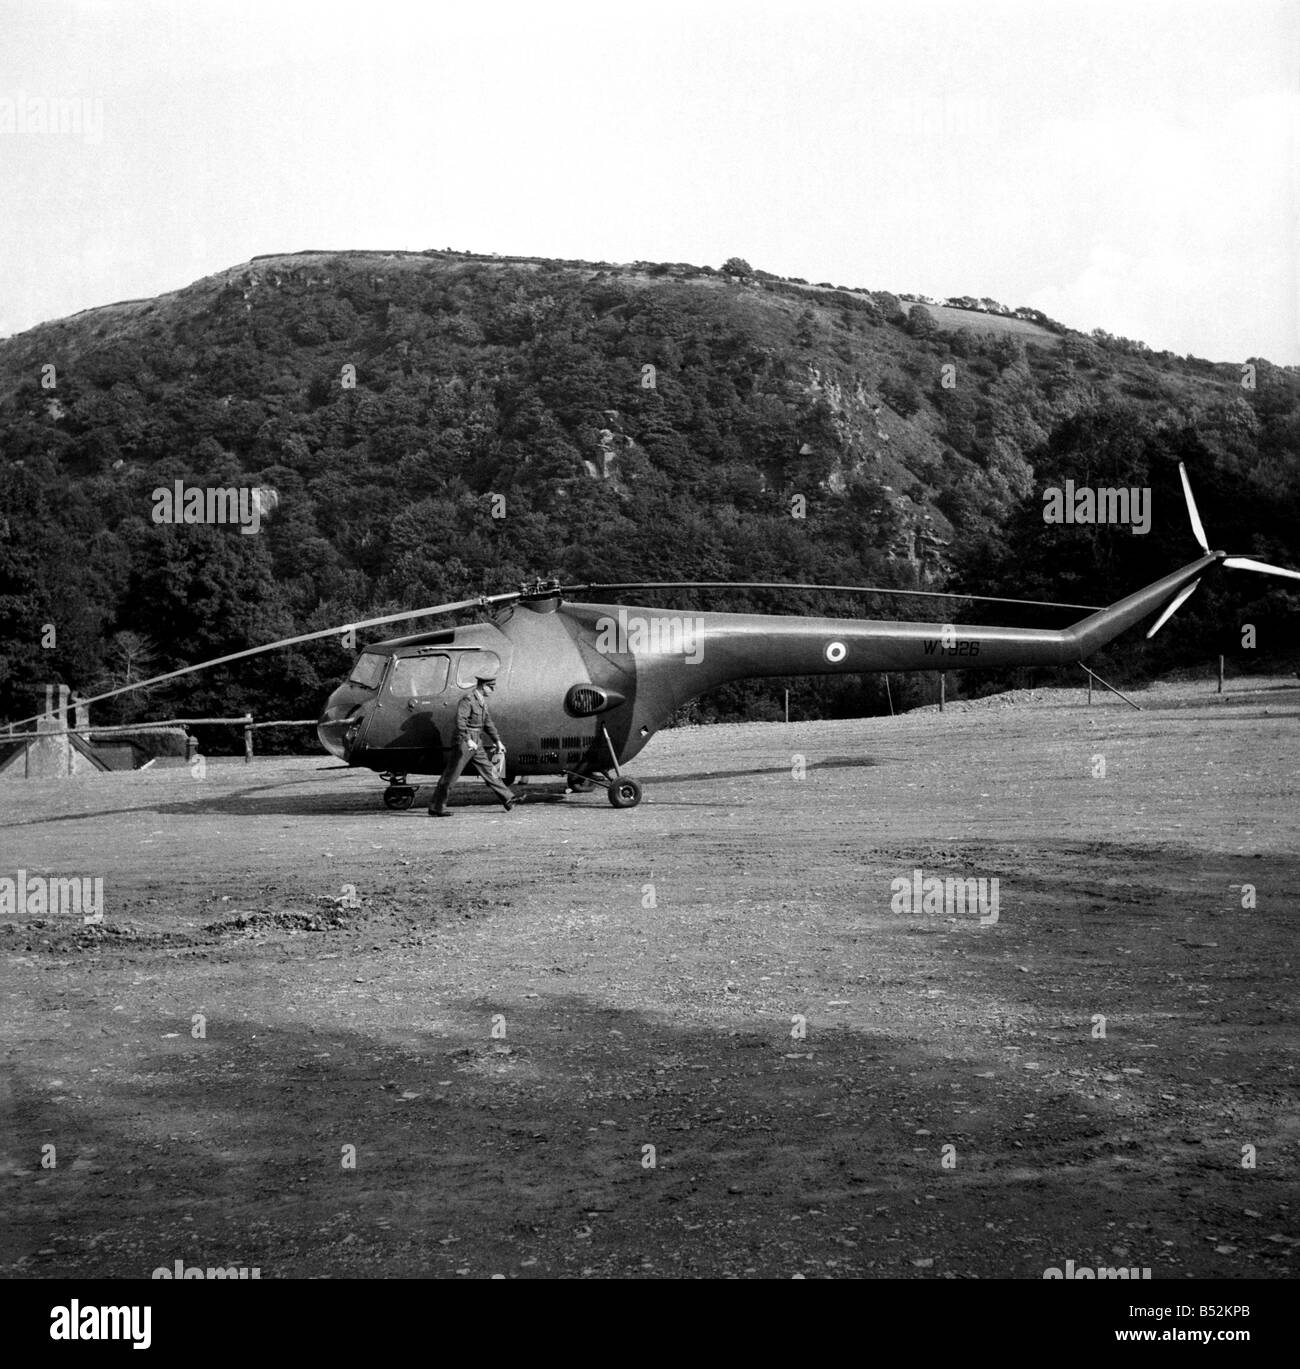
(425, 426)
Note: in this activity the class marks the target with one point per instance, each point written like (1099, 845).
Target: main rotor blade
(482, 602)
(1172, 607)
(839, 589)
(1197, 527)
(1245, 563)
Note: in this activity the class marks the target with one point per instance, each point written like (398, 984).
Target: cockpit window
(418, 677)
(368, 671)
(472, 664)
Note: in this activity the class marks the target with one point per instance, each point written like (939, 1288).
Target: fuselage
(580, 686)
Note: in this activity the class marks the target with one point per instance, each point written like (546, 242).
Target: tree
(921, 322)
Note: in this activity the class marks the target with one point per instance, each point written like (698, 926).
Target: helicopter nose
(330, 732)
(337, 728)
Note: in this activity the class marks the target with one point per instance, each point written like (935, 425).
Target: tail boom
(744, 646)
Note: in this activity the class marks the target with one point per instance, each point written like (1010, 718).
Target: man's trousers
(460, 757)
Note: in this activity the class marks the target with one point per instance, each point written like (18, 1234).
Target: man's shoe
(518, 798)
(441, 813)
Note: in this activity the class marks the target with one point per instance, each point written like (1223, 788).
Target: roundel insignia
(835, 652)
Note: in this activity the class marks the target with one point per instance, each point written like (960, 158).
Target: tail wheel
(399, 796)
(625, 792)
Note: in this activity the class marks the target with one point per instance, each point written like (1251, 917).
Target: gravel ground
(696, 1038)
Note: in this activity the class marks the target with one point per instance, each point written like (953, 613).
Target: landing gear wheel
(399, 796)
(625, 792)
(510, 778)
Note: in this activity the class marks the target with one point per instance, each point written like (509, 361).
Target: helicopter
(582, 687)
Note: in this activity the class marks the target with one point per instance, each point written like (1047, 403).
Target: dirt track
(670, 1026)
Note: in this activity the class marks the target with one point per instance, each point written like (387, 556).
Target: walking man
(473, 725)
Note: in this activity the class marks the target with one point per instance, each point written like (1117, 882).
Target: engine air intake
(585, 699)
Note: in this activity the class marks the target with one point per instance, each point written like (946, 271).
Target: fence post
(248, 738)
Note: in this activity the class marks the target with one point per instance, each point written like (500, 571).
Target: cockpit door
(415, 701)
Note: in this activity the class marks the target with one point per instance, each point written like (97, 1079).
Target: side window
(418, 677)
(472, 664)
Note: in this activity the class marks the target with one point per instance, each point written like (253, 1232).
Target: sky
(1128, 166)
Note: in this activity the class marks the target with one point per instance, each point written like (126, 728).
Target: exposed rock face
(859, 419)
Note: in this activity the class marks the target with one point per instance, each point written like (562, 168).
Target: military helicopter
(582, 687)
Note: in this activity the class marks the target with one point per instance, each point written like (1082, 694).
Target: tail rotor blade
(1197, 527)
(1172, 607)
(1245, 563)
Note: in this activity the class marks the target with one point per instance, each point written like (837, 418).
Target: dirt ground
(688, 1039)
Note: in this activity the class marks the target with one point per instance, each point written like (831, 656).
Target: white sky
(1130, 166)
